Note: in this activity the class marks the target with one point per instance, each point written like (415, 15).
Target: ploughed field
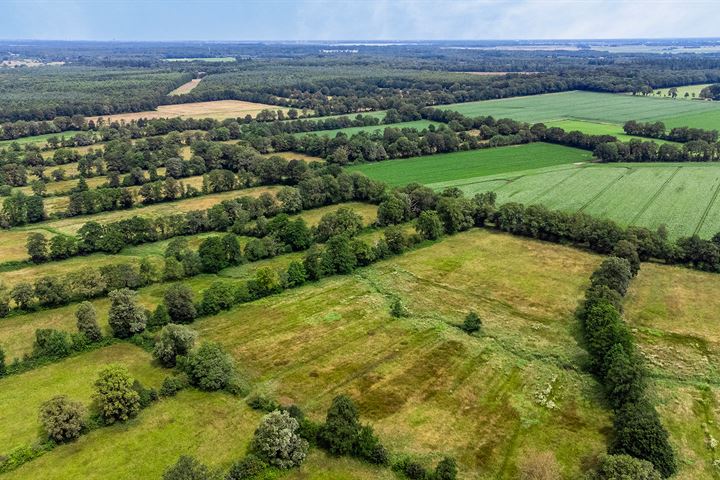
(682, 196)
(428, 388)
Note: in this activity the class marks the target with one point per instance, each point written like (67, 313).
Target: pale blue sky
(355, 19)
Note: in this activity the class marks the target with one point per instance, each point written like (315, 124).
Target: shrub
(247, 468)
(179, 303)
(188, 468)
(414, 470)
(472, 323)
(262, 403)
(217, 297)
(22, 294)
(117, 401)
(395, 239)
(159, 317)
(172, 385)
(639, 433)
(174, 340)
(209, 367)
(342, 427)
(369, 448)
(397, 309)
(87, 322)
(51, 343)
(446, 469)
(126, 317)
(62, 419)
(3, 367)
(624, 467)
(295, 275)
(538, 466)
(146, 395)
(628, 251)
(613, 272)
(276, 441)
(624, 378)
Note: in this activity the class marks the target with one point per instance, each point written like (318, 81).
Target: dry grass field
(219, 110)
(186, 87)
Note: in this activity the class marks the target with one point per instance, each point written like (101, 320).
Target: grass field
(689, 89)
(40, 140)
(21, 395)
(596, 107)
(417, 124)
(186, 87)
(460, 166)
(598, 128)
(219, 110)
(202, 59)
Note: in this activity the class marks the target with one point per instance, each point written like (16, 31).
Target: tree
(51, 343)
(343, 221)
(342, 426)
(624, 378)
(126, 317)
(87, 322)
(51, 291)
(62, 419)
(428, 225)
(639, 433)
(179, 302)
(395, 239)
(277, 442)
(217, 297)
(22, 295)
(615, 273)
(446, 469)
(3, 367)
(212, 255)
(624, 467)
(116, 400)
(188, 468)
(295, 275)
(472, 323)
(209, 367)
(173, 340)
(37, 247)
(628, 251)
(338, 256)
(246, 469)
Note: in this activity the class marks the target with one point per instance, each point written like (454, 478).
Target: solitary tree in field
(277, 442)
(126, 317)
(117, 401)
(673, 92)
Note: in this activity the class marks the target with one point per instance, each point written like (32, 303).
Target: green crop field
(41, 140)
(461, 166)
(598, 107)
(203, 59)
(417, 124)
(597, 128)
(681, 91)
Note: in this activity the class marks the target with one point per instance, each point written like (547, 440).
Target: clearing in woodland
(219, 110)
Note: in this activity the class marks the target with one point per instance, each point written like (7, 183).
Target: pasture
(598, 128)
(39, 140)
(461, 166)
(218, 109)
(186, 87)
(350, 131)
(595, 107)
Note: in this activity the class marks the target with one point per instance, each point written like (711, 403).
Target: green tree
(51, 343)
(178, 300)
(209, 367)
(37, 247)
(277, 442)
(126, 317)
(624, 467)
(246, 469)
(188, 468)
(62, 419)
(22, 294)
(3, 367)
(173, 340)
(628, 251)
(338, 256)
(446, 469)
(212, 255)
(87, 324)
(116, 400)
(295, 275)
(342, 426)
(429, 225)
(217, 297)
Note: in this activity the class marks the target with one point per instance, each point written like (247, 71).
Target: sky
(307, 20)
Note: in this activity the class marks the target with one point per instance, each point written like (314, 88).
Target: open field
(219, 110)
(459, 166)
(202, 59)
(417, 124)
(186, 87)
(295, 156)
(681, 196)
(598, 107)
(39, 140)
(689, 89)
(598, 128)
(21, 395)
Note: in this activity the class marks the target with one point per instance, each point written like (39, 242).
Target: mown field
(460, 166)
(219, 110)
(598, 128)
(427, 387)
(40, 140)
(596, 107)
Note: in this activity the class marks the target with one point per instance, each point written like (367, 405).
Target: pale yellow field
(186, 87)
(295, 156)
(219, 110)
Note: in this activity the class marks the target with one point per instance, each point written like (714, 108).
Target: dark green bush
(172, 385)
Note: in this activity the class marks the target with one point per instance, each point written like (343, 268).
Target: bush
(342, 427)
(87, 322)
(172, 385)
(538, 466)
(369, 448)
(179, 303)
(126, 317)
(159, 317)
(639, 433)
(51, 343)
(115, 397)
(414, 470)
(146, 395)
(295, 275)
(209, 368)
(446, 469)
(429, 225)
(624, 467)
(247, 468)
(62, 419)
(188, 468)
(276, 441)
(395, 239)
(628, 251)
(472, 323)
(3, 367)
(613, 272)
(173, 340)
(624, 378)
(262, 403)
(397, 309)
(219, 296)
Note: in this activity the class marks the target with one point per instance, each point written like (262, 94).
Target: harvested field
(219, 110)
(186, 87)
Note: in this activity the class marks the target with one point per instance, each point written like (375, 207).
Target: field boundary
(707, 210)
(654, 197)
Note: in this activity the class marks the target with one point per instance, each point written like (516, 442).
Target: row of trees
(617, 363)
(677, 134)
